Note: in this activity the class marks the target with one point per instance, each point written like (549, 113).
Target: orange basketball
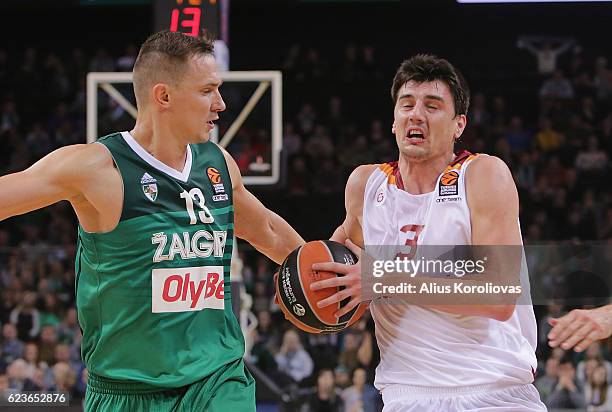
(299, 303)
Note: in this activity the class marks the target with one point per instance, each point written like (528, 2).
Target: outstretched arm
(57, 176)
(265, 230)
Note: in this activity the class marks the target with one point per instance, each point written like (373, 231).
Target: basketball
(299, 303)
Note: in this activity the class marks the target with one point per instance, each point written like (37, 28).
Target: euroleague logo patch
(299, 310)
(449, 183)
(215, 180)
(213, 175)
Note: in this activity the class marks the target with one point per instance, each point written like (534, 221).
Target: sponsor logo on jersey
(448, 199)
(219, 198)
(187, 289)
(215, 180)
(149, 186)
(380, 196)
(449, 183)
(201, 244)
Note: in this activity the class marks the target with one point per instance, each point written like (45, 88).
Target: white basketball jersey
(426, 347)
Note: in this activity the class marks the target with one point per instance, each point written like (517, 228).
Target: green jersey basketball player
(158, 208)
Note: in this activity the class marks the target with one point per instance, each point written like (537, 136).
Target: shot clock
(188, 16)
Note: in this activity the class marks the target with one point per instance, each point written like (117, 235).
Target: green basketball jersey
(153, 295)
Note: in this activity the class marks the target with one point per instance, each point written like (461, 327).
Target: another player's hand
(579, 328)
(351, 282)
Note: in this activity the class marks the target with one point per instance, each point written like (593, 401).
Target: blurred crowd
(560, 157)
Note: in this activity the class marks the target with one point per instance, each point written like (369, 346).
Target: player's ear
(393, 128)
(461, 122)
(160, 95)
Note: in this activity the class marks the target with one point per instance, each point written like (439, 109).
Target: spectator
(69, 325)
(546, 384)
(125, 63)
(598, 392)
(593, 353)
(326, 397)
(64, 377)
(48, 340)
(370, 66)
(479, 115)
(261, 301)
(299, 177)
(62, 354)
(307, 119)
(544, 51)
(49, 315)
(567, 394)
(319, 144)
(261, 355)
(525, 172)
(323, 348)
(361, 396)
(603, 79)
(547, 138)
(327, 180)
(101, 62)
(36, 381)
(292, 142)
(26, 317)
(9, 119)
(342, 378)
(557, 87)
(12, 347)
(31, 356)
(292, 359)
(593, 159)
(17, 373)
(349, 353)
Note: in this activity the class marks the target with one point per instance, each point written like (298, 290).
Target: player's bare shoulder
(489, 183)
(355, 188)
(97, 187)
(232, 168)
(81, 162)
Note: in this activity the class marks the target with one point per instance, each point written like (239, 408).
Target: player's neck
(420, 177)
(160, 144)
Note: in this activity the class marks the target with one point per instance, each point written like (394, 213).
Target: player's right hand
(351, 282)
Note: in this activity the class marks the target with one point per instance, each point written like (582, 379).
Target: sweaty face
(195, 102)
(425, 124)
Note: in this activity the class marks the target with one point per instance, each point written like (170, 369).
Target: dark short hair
(163, 57)
(428, 68)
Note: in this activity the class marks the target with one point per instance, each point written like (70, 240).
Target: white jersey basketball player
(441, 357)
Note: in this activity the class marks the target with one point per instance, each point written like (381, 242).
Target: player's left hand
(580, 328)
(351, 282)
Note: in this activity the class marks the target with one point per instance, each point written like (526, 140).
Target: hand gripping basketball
(300, 303)
(351, 282)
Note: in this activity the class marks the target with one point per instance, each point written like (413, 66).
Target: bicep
(354, 193)
(494, 204)
(250, 215)
(46, 182)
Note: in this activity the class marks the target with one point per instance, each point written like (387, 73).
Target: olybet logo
(187, 289)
